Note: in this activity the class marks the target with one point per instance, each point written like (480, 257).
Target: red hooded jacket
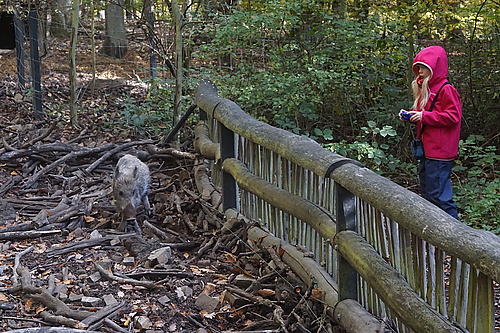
(442, 126)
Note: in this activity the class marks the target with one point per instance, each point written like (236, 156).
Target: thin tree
(92, 45)
(178, 50)
(72, 63)
(115, 43)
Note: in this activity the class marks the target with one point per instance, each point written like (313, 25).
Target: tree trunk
(92, 45)
(72, 61)
(115, 43)
(61, 18)
(148, 16)
(178, 50)
(339, 7)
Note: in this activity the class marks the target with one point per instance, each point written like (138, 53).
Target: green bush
(477, 188)
(297, 66)
(152, 115)
(373, 149)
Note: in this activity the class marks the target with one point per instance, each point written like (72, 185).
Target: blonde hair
(420, 94)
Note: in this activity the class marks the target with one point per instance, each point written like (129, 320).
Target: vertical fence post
(203, 114)
(19, 34)
(152, 55)
(35, 64)
(227, 150)
(346, 220)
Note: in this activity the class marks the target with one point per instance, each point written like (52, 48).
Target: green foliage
(152, 115)
(477, 191)
(373, 150)
(318, 73)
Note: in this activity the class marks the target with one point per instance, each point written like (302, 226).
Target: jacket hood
(434, 58)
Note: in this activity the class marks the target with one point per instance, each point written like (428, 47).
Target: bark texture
(115, 43)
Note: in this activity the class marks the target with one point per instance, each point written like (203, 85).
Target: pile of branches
(188, 269)
(56, 183)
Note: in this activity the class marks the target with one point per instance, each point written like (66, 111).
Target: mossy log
(317, 217)
(479, 248)
(208, 192)
(391, 287)
(348, 313)
(203, 144)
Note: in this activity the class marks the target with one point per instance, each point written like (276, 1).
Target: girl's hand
(416, 116)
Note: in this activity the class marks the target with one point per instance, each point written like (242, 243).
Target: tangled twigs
(44, 297)
(49, 130)
(64, 159)
(114, 151)
(110, 276)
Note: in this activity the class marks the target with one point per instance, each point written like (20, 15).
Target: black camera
(406, 115)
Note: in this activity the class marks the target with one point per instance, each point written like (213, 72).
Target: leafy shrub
(373, 150)
(297, 66)
(152, 115)
(477, 189)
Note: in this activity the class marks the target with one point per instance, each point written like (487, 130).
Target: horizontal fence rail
(398, 255)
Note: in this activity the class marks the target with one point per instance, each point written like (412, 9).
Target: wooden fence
(402, 258)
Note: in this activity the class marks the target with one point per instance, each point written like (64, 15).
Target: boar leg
(123, 225)
(137, 228)
(147, 206)
(128, 214)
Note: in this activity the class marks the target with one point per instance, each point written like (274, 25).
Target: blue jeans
(435, 184)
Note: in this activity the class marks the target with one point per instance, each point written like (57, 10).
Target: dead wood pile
(65, 266)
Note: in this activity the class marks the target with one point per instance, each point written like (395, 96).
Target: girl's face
(423, 72)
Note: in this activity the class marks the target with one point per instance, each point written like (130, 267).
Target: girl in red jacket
(437, 114)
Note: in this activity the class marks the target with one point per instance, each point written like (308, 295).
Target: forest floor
(63, 262)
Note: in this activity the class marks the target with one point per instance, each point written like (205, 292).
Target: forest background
(336, 71)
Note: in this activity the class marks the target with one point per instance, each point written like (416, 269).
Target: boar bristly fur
(130, 187)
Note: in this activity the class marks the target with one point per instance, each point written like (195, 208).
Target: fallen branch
(6, 186)
(111, 324)
(102, 314)
(38, 148)
(255, 299)
(51, 330)
(160, 273)
(44, 297)
(113, 151)
(17, 260)
(111, 277)
(53, 251)
(61, 320)
(63, 159)
(178, 153)
(43, 136)
(30, 234)
(31, 320)
(154, 151)
(208, 192)
(154, 231)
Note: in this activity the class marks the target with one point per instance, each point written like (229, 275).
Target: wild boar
(130, 188)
